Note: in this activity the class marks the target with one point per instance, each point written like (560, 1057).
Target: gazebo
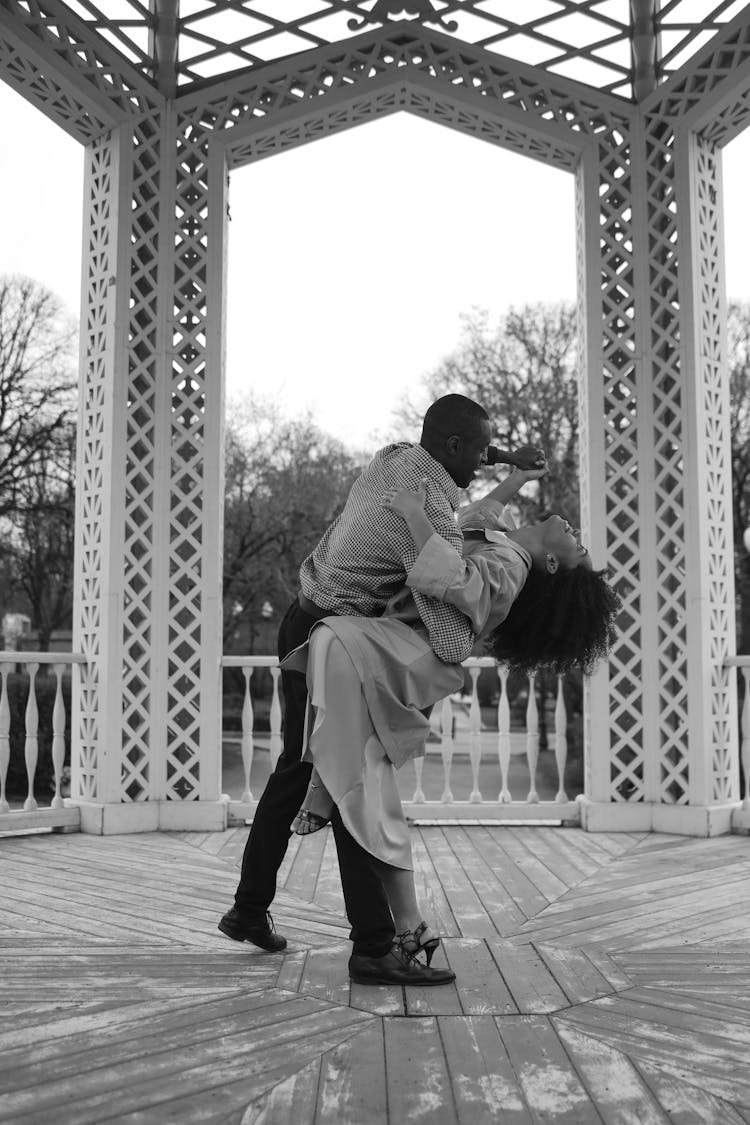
(169, 97)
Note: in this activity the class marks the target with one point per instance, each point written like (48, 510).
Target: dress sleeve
(486, 513)
(475, 584)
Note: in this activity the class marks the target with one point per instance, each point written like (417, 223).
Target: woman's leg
(402, 896)
(316, 809)
(412, 934)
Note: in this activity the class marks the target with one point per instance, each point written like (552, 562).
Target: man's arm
(525, 457)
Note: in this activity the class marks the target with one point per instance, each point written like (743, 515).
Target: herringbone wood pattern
(600, 978)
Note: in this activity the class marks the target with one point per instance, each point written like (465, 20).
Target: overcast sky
(351, 259)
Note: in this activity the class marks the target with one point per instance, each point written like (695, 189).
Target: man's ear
(551, 564)
(453, 445)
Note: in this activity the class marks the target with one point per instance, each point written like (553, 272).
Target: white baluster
(4, 737)
(561, 740)
(419, 797)
(31, 749)
(58, 736)
(248, 721)
(532, 740)
(745, 730)
(446, 748)
(475, 737)
(503, 735)
(275, 748)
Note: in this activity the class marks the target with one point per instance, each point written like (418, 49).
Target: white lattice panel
(715, 407)
(586, 40)
(92, 495)
(64, 106)
(140, 617)
(187, 502)
(99, 75)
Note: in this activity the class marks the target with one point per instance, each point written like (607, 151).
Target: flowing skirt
(348, 755)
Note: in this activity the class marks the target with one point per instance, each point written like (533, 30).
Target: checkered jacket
(364, 556)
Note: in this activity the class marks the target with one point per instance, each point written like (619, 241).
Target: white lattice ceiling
(587, 40)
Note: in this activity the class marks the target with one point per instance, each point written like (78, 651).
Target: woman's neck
(530, 538)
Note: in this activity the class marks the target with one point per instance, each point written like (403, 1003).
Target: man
(361, 561)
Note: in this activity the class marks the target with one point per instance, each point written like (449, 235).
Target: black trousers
(366, 905)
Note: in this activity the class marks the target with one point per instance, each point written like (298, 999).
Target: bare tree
(41, 535)
(523, 371)
(738, 347)
(286, 480)
(37, 342)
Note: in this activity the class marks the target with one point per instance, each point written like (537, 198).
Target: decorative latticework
(667, 401)
(63, 43)
(94, 438)
(692, 411)
(712, 410)
(191, 384)
(622, 503)
(654, 406)
(142, 477)
(63, 106)
(587, 40)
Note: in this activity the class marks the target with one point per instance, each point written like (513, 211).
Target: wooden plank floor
(600, 978)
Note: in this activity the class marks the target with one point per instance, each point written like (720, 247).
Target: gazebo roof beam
(163, 44)
(644, 46)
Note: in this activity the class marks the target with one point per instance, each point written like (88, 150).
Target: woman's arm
(470, 584)
(507, 489)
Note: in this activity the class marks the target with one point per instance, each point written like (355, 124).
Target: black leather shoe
(395, 968)
(241, 928)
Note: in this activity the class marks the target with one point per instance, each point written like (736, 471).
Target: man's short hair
(453, 414)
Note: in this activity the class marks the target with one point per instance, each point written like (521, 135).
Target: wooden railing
(493, 756)
(483, 748)
(31, 814)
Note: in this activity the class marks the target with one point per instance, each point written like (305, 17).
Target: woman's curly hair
(559, 621)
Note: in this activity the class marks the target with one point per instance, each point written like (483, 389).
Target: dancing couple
(397, 593)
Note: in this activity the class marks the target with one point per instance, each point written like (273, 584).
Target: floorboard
(599, 978)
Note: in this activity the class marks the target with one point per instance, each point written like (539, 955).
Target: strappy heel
(306, 822)
(410, 943)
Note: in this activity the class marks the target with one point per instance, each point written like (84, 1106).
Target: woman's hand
(522, 476)
(406, 501)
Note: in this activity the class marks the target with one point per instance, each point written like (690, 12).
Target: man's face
(469, 454)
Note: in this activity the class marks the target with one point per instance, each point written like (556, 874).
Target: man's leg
(375, 958)
(279, 803)
(367, 909)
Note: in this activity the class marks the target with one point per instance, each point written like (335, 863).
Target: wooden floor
(600, 978)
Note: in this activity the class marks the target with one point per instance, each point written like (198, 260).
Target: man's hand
(528, 457)
(405, 501)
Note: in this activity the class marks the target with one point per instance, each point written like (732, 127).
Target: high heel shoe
(410, 943)
(306, 822)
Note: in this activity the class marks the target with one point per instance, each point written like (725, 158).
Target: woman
(533, 599)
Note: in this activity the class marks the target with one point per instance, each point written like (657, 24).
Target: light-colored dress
(373, 681)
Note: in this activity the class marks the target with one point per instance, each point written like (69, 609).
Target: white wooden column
(617, 498)
(709, 549)
(147, 615)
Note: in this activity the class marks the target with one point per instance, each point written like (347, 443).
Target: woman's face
(563, 542)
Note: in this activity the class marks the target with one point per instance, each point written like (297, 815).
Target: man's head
(456, 432)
